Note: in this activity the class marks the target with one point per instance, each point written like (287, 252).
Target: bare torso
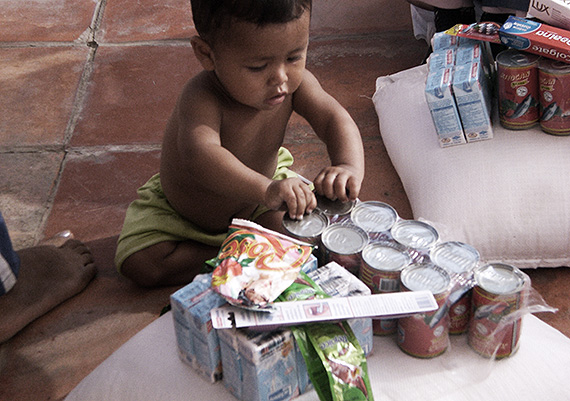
(251, 135)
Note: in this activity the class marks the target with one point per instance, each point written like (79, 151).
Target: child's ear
(203, 52)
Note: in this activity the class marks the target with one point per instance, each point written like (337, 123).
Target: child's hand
(291, 194)
(338, 182)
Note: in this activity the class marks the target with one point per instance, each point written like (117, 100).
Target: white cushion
(509, 196)
(147, 367)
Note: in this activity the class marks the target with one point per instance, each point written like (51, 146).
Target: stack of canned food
(391, 254)
(533, 90)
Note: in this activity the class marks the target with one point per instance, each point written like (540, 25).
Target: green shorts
(150, 219)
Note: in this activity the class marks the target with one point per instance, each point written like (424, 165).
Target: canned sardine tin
(500, 290)
(376, 218)
(343, 243)
(416, 337)
(517, 76)
(309, 229)
(382, 263)
(381, 267)
(336, 210)
(554, 88)
(418, 237)
(458, 259)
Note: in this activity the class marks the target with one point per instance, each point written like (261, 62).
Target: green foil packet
(335, 361)
(342, 363)
(302, 289)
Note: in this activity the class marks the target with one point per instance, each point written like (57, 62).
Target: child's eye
(294, 59)
(257, 68)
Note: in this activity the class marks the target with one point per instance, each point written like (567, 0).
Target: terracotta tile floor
(86, 88)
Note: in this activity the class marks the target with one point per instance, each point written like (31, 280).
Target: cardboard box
(198, 343)
(537, 38)
(440, 59)
(441, 103)
(473, 95)
(336, 281)
(260, 366)
(552, 12)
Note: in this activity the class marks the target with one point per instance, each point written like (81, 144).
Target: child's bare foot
(48, 276)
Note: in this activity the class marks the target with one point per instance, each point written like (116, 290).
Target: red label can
(343, 244)
(376, 218)
(417, 236)
(416, 336)
(517, 78)
(459, 260)
(554, 87)
(495, 325)
(382, 263)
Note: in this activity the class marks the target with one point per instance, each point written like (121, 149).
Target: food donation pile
(341, 251)
(530, 80)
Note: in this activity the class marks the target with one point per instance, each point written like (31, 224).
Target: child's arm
(335, 127)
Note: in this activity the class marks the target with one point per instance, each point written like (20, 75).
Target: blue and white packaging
(442, 106)
(198, 343)
(443, 58)
(473, 94)
(259, 366)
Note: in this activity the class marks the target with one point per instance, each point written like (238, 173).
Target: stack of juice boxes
(459, 91)
(256, 365)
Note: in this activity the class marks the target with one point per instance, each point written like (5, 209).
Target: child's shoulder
(200, 91)
(200, 85)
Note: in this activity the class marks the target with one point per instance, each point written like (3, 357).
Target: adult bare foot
(48, 276)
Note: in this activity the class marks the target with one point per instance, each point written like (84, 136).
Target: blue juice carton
(198, 342)
(442, 106)
(443, 58)
(260, 366)
(473, 96)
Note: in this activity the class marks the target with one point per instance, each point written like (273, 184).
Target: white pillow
(509, 196)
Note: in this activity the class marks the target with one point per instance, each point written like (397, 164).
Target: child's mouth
(275, 100)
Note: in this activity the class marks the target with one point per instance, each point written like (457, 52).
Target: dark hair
(210, 15)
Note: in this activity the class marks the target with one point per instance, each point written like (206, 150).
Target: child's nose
(279, 75)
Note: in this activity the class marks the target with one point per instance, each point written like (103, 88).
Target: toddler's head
(212, 17)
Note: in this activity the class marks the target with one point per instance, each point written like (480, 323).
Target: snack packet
(255, 265)
(335, 361)
(302, 289)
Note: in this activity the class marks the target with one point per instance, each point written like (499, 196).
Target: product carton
(336, 281)
(441, 103)
(535, 37)
(553, 12)
(440, 59)
(473, 97)
(259, 366)
(198, 342)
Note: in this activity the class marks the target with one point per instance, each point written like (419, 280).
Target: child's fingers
(353, 188)
(340, 187)
(304, 201)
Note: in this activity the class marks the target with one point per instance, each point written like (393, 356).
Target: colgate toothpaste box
(535, 37)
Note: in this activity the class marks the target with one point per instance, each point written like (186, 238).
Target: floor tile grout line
(78, 105)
